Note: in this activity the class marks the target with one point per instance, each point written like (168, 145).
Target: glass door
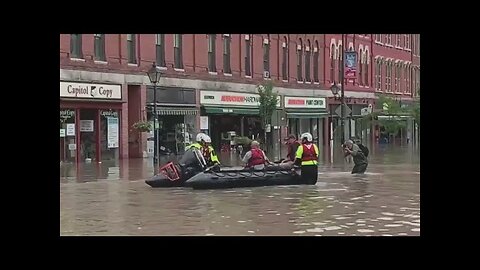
(67, 135)
(109, 134)
(88, 131)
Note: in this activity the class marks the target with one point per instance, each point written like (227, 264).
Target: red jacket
(309, 154)
(257, 158)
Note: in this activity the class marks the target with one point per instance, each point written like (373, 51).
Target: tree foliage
(268, 101)
(393, 109)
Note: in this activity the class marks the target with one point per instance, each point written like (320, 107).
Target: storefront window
(175, 131)
(305, 125)
(67, 135)
(109, 134)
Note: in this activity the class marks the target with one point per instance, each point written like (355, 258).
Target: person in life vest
(292, 144)
(359, 156)
(255, 158)
(203, 144)
(307, 156)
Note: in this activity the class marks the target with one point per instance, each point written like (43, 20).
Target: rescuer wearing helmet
(307, 156)
(203, 144)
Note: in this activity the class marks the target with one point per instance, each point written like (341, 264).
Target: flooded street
(113, 199)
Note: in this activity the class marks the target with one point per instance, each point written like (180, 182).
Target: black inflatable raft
(175, 174)
(235, 178)
(192, 171)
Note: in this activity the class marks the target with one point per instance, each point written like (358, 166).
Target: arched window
(299, 60)
(332, 63)
(360, 67)
(387, 76)
(307, 61)
(398, 76)
(315, 62)
(285, 59)
(366, 69)
(407, 78)
(340, 60)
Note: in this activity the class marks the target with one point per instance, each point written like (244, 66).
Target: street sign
(338, 111)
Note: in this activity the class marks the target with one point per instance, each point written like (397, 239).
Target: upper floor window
(177, 51)
(378, 75)
(360, 67)
(388, 77)
(418, 45)
(160, 49)
(339, 62)
(398, 77)
(417, 79)
(299, 60)
(407, 78)
(378, 38)
(131, 48)
(366, 69)
(407, 41)
(76, 46)
(226, 54)
(212, 67)
(99, 47)
(414, 44)
(266, 56)
(315, 62)
(248, 57)
(285, 59)
(307, 61)
(388, 39)
(332, 63)
(398, 40)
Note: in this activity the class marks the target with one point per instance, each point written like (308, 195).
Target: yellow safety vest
(213, 155)
(299, 154)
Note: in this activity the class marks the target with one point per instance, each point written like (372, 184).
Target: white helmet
(307, 136)
(203, 137)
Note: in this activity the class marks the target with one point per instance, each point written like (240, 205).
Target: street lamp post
(334, 88)
(154, 76)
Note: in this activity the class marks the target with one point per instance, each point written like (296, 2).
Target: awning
(307, 113)
(230, 110)
(174, 111)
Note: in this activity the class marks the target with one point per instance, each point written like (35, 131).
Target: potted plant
(142, 126)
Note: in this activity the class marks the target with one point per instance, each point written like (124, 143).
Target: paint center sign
(305, 102)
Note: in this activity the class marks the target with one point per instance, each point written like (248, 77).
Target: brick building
(397, 73)
(208, 83)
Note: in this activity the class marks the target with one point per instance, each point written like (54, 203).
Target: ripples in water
(387, 204)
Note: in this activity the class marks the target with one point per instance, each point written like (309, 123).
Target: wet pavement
(112, 199)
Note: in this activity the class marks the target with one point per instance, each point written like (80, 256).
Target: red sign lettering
(296, 102)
